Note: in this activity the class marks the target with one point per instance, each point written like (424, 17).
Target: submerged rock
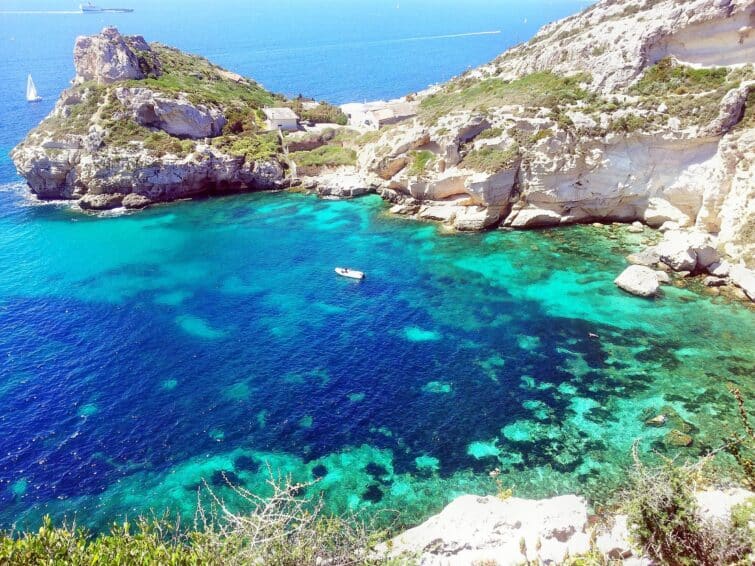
(639, 280)
(658, 420)
(678, 438)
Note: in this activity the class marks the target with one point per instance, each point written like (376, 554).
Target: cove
(143, 357)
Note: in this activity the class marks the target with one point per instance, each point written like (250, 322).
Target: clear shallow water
(143, 355)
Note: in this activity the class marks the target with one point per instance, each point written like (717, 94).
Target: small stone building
(281, 119)
(374, 115)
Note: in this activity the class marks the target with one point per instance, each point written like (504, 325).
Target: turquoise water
(145, 356)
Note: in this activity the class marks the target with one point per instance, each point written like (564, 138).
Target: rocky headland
(145, 123)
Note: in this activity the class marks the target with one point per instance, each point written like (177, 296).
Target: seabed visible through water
(205, 343)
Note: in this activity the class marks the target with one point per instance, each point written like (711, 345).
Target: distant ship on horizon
(90, 8)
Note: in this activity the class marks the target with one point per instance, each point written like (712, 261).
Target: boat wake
(40, 12)
(448, 36)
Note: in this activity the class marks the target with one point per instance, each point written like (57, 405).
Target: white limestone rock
(343, 183)
(649, 257)
(717, 504)
(744, 279)
(475, 529)
(476, 218)
(176, 116)
(639, 280)
(663, 278)
(107, 57)
(688, 251)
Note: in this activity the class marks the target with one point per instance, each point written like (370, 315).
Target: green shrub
(421, 160)
(627, 123)
(665, 522)
(544, 89)
(250, 147)
(323, 113)
(665, 77)
(161, 143)
(325, 156)
(204, 82)
(490, 133)
(368, 138)
(491, 158)
(540, 135)
(282, 530)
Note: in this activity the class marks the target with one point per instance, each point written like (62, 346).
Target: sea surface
(147, 357)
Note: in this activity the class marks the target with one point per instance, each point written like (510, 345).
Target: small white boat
(31, 91)
(350, 273)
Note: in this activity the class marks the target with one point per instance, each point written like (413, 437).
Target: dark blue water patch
(79, 360)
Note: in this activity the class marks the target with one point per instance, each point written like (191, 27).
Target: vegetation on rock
(543, 89)
(491, 158)
(325, 156)
(420, 161)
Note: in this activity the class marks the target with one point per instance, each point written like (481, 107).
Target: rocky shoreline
(627, 112)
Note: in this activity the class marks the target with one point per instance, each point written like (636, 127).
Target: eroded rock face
(614, 41)
(107, 57)
(175, 116)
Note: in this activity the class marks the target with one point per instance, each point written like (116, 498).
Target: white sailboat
(31, 91)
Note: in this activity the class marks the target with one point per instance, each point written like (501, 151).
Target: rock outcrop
(488, 530)
(176, 116)
(108, 57)
(114, 144)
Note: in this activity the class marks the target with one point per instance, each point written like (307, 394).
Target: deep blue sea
(146, 356)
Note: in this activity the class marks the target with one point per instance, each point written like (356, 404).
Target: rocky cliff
(633, 110)
(146, 123)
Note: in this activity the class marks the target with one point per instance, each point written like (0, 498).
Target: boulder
(639, 280)
(720, 268)
(533, 217)
(101, 202)
(663, 277)
(744, 279)
(134, 201)
(688, 251)
(712, 281)
(678, 439)
(649, 257)
(659, 211)
(342, 184)
(440, 212)
(475, 218)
